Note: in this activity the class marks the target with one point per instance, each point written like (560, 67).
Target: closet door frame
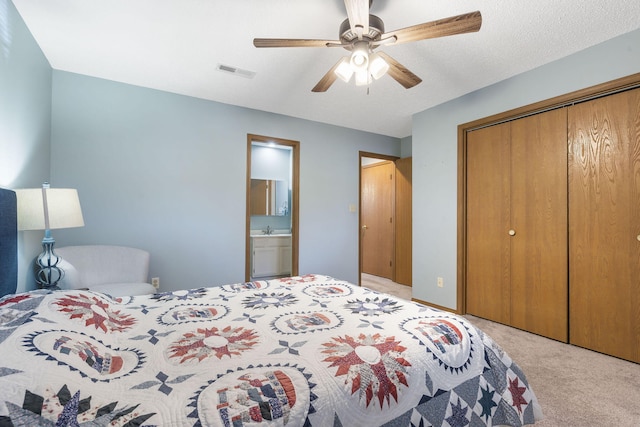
(604, 89)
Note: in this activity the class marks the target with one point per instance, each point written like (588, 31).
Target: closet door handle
(638, 237)
(512, 232)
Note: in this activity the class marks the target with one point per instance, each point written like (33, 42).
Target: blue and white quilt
(301, 351)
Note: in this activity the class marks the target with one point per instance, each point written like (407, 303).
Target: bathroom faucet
(268, 230)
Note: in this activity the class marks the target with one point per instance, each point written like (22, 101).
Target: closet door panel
(488, 182)
(604, 218)
(539, 269)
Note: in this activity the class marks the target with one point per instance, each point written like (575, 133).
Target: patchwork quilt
(300, 351)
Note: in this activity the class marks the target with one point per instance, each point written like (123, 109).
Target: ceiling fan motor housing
(376, 29)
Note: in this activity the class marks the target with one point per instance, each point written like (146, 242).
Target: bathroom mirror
(269, 197)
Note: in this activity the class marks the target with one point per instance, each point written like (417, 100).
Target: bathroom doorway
(272, 207)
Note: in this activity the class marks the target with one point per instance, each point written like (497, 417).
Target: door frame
(361, 155)
(295, 202)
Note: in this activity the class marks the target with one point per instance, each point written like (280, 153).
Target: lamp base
(49, 274)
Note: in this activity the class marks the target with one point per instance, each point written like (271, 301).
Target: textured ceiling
(177, 45)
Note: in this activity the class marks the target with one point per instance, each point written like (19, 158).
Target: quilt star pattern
(298, 351)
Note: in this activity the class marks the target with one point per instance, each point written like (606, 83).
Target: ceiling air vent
(236, 71)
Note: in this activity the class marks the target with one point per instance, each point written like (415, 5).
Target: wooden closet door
(539, 261)
(604, 218)
(488, 211)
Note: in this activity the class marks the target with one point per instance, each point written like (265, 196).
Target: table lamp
(46, 209)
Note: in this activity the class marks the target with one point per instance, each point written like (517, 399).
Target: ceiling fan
(361, 33)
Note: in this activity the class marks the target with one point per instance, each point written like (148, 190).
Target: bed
(310, 350)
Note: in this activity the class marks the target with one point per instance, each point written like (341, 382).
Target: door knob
(364, 227)
(512, 232)
(638, 237)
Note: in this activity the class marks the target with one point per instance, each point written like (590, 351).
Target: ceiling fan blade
(327, 80)
(460, 24)
(295, 43)
(399, 73)
(358, 14)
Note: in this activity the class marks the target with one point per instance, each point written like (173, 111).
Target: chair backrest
(103, 264)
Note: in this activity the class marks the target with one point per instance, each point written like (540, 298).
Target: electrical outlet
(440, 282)
(155, 282)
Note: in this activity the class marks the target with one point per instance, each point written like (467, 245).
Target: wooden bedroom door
(517, 223)
(377, 198)
(403, 220)
(604, 218)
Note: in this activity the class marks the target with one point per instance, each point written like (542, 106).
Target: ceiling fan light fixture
(360, 56)
(363, 77)
(344, 70)
(378, 67)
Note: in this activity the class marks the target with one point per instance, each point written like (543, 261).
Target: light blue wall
(25, 119)
(435, 151)
(406, 147)
(167, 173)
(271, 163)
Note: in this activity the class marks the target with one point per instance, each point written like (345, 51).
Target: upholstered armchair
(114, 270)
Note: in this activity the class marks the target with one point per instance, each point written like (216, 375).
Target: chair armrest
(71, 278)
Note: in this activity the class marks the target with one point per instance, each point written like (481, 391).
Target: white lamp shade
(63, 206)
(378, 67)
(363, 78)
(344, 70)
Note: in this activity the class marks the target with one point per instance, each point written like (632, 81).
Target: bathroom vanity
(270, 255)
